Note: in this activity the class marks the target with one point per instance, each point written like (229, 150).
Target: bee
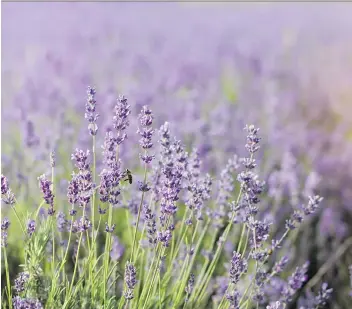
(269, 253)
(128, 176)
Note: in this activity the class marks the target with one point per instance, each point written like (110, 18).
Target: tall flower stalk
(92, 116)
(110, 178)
(146, 132)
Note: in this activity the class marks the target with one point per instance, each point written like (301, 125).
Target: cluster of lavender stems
(161, 237)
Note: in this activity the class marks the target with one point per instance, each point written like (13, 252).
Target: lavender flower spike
(26, 303)
(130, 280)
(45, 186)
(90, 114)
(146, 133)
(238, 267)
(30, 227)
(4, 227)
(8, 196)
(120, 120)
(20, 282)
(4, 184)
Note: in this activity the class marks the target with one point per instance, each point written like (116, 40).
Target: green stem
(190, 266)
(9, 292)
(107, 253)
(18, 218)
(76, 263)
(139, 214)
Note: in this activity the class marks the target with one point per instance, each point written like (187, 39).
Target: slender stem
(246, 244)
(94, 192)
(107, 254)
(139, 214)
(206, 279)
(38, 209)
(9, 292)
(161, 253)
(241, 237)
(52, 219)
(18, 218)
(190, 266)
(151, 269)
(159, 290)
(127, 304)
(76, 263)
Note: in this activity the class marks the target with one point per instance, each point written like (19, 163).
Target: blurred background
(208, 69)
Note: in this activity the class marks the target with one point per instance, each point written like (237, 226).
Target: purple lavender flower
(172, 177)
(199, 193)
(297, 216)
(26, 303)
(120, 119)
(194, 164)
(7, 196)
(260, 277)
(110, 179)
(149, 218)
(109, 149)
(5, 224)
(48, 196)
(190, 284)
(31, 227)
(143, 186)
(109, 185)
(164, 140)
(260, 231)
(73, 189)
(258, 297)
(164, 237)
(252, 188)
(90, 113)
(238, 267)
(313, 205)
(181, 158)
(296, 280)
(81, 187)
(109, 229)
(102, 211)
(280, 265)
(82, 224)
(20, 282)
(234, 299)
(130, 280)
(4, 227)
(81, 159)
(324, 295)
(146, 133)
(252, 144)
(4, 184)
(225, 189)
(72, 212)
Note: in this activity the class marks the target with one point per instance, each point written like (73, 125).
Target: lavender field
(176, 155)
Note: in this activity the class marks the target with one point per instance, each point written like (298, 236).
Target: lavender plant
(188, 246)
